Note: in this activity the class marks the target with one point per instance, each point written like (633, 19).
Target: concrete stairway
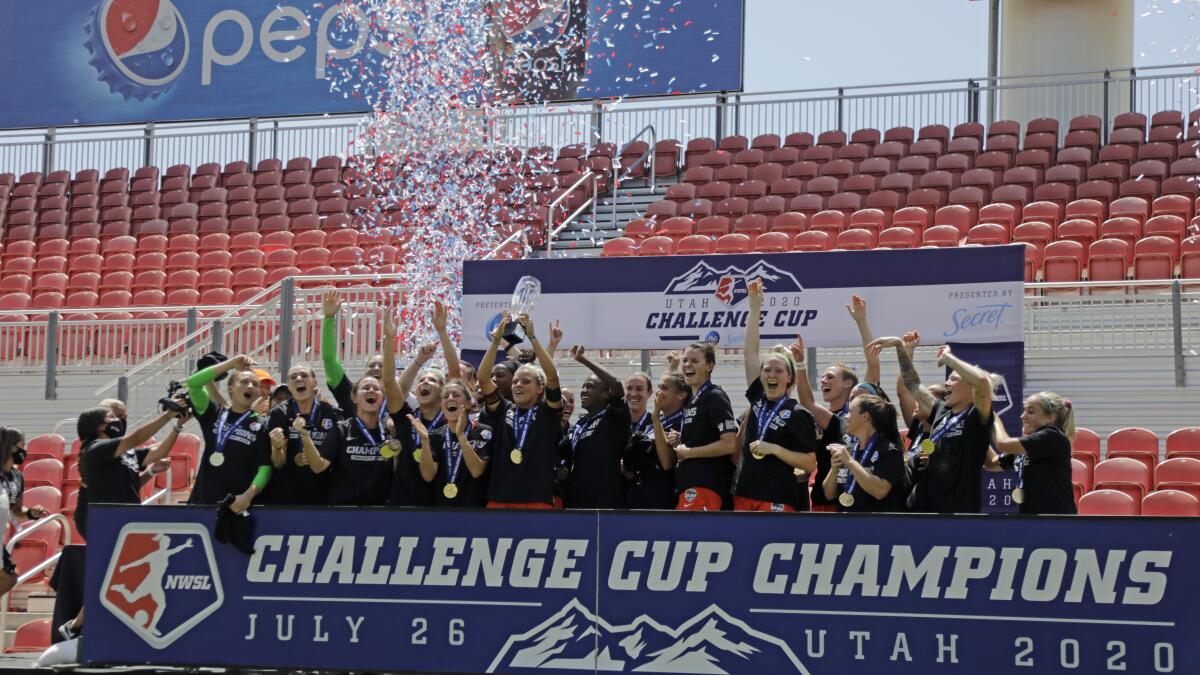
(586, 236)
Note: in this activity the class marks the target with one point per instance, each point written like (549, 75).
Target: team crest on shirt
(784, 414)
(730, 286)
(326, 424)
(486, 434)
(255, 426)
(689, 495)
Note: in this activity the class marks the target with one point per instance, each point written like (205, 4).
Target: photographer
(12, 487)
(237, 456)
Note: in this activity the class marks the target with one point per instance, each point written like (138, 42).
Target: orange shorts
(520, 505)
(823, 508)
(747, 504)
(558, 502)
(698, 499)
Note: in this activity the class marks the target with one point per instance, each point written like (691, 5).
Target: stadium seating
(1170, 503)
(33, 636)
(1108, 503)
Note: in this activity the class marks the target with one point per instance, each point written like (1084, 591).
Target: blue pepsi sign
(122, 61)
(651, 592)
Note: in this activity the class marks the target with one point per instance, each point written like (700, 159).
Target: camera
(176, 400)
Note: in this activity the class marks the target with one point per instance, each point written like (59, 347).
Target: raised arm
(144, 433)
(428, 466)
(858, 312)
(453, 366)
(912, 381)
(475, 464)
(424, 353)
(196, 384)
(821, 414)
(750, 350)
(1004, 443)
(556, 336)
(662, 445)
(974, 376)
(544, 359)
(395, 397)
(486, 386)
(330, 304)
(615, 388)
(316, 463)
(906, 401)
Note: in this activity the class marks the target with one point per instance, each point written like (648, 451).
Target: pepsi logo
(162, 580)
(139, 47)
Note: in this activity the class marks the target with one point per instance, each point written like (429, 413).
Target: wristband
(553, 395)
(491, 399)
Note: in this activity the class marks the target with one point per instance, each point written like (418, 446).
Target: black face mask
(18, 456)
(115, 429)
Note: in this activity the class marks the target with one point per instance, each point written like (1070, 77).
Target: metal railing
(915, 104)
(646, 158)
(588, 179)
(32, 573)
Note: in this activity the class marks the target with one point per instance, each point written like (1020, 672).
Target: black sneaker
(67, 632)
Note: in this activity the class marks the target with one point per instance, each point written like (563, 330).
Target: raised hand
(390, 324)
(277, 438)
(460, 425)
(241, 362)
(857, 308)
(556, 336)
(672, 361)
(330, 304)
(797, 349)
(943, 355)
(526, 325)
(755, 288)
(878, 345)
(505, 319)
(426, 352)
(418, 427)
(577, 352)
(911, 340)
(299, 424)
(439, 317)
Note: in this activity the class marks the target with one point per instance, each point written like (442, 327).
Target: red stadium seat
(1109, 503)
(813, 240)
(829, 222)
(32, 636)
(1170, 503)
(1184, 443)
(1109, 260)
(1081, 472)
(988, 234)
(1124, 474)
(43, 472)
(45, 446)
(1178, 471)
(853, 240)
(619, 247)
(712, 226)
(914, 218)
(959, 217)
(789, 222)
(898, 237)
(941, 236)
(695, 244)
(1063, 261)
(733, 243)
(656, 246)
(1155, 258)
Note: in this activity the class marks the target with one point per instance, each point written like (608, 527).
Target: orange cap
(263, 376)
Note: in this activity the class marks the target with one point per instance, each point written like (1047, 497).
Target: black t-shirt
(246, 449)
(950, 482)
(770, 479)
(705, 418)
(296, 483)
(651, 487)
(833, 433)
(533, 479)
(342, 394)
(12, 482)
(884, 460)
(449, 459)
(1047, 474)
(594, 445)
(111, 479)
(408, 488)
(359, 473)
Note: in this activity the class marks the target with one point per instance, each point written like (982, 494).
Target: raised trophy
(524, 297)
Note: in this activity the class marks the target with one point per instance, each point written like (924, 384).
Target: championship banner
(71, 62)
(960, 295)
(568, 592)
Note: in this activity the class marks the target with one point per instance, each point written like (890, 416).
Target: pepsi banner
(70, 62)
(960, 295)
(569, 592)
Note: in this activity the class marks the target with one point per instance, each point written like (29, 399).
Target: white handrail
(551, 230)
(37, 569)
(623, 173)
(519, 234)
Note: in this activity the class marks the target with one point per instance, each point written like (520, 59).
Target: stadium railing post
(1177, 329)
(48, 151)
(252, 145)
(190, 325)
(841, 99)
(973, 99)
(1107, 120)
(287, 299)
(719, 123)
(148, 144)
(123, 388)
(52, 356)
(218, 336)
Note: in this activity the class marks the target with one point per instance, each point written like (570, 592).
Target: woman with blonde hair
(1042, 455)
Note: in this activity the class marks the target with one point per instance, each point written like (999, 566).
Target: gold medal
(387, 450)
(450, 491)
(1019, 495)
(757, 455)
(927, 447)
(417, 455)
(516, 456)
(216, 459)
(846, 500)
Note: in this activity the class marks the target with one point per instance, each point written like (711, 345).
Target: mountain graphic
(711, 642)
(703, 278)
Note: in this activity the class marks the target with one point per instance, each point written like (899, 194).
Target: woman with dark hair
(1042, 455)
(708, 436)
(358, 452)
(237, 451)
(454, 456)
(292, 482)
(335, 375)
(12, 487)
(650, 479)
(527, 428)
(871, 478)
(779, 435)
(595, 442)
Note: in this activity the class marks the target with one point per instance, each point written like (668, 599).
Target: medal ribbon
(312, 415)
(437, 421)
(577, 430)
(949, 422)
(642, 424)
(852, 482)
(453, 461)
(222, 432)
(764, 421)
(521, 424)
(1020, 464)
(670, 420)
(695, 398)
(367, 433)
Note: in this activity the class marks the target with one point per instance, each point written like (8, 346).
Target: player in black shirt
(293, 481)
(779, 435)
(335, 374)
(648, 465)
(454, 457)
(704, 470)
(358, 451)
(527, 429)
(237, 452)
(871, 477)
(595, 442)
(959, 442)
(1042, 455)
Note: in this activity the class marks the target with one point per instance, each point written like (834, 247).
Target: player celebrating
(596, 441)
(293, 481)
(458, 444)
(871, 477)
(708, 436)
(1042, 455)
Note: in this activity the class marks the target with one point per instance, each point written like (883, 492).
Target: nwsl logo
(139, 47)
(730, 286)
(162, 581)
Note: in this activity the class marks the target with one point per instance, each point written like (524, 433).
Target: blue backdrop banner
(570, 592)
(122, 61)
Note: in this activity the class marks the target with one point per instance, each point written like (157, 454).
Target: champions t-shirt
(1047, 474)
(246, 449)
(408, 488)
(888, 464)
(951, 476)
(833, 433)
(296, 483)
(770, 479)
(450, 460)
(360, 474)
(705, 419)
(533, 479)
(595, 457)
(343, 394)
(111, 479)
(651, 487)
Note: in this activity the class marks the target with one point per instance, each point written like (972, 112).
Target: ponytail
(1061, 409)
(883, 417)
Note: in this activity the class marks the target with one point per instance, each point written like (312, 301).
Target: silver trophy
(524, 297)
